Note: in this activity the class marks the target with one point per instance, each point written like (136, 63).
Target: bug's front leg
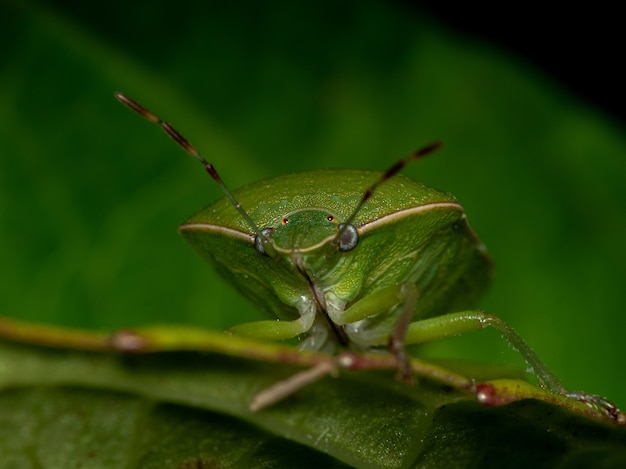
(279, 330)
(270, 330)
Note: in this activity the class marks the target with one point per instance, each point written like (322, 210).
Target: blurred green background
(91, 195)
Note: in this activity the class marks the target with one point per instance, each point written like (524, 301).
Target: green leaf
(170, 409)
(90, 195)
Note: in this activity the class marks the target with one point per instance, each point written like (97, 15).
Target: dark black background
(582, 46)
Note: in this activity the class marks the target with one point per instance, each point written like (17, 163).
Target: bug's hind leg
(450, 325)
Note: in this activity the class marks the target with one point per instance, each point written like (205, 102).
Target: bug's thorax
(309, 244)
(320, 273)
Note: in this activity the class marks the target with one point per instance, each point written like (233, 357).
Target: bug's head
(307, 231)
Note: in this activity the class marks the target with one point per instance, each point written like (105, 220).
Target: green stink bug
(349, 259)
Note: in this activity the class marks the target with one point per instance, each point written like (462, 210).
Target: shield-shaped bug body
(407, 233)
(349, 260)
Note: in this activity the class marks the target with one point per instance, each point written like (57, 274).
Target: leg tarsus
(599, 402)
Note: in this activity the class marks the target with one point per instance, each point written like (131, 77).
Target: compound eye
(349, 238)
(258, 243)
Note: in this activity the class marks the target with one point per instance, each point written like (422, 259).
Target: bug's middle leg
(370, 320)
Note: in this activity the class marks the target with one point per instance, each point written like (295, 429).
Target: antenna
(391, 172)
(189, 148)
